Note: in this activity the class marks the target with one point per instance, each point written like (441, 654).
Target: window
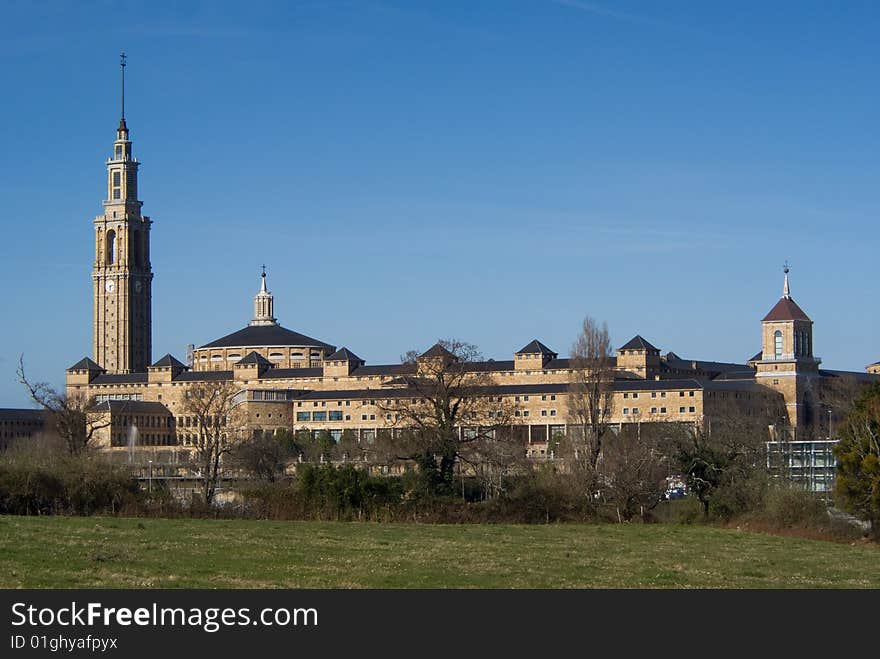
(681, 410)
(526, 413)
(635, 410)
(653, 410)
(691, 394)
(777, 344)
(319, 416)
(626, 410)
(303, 416)
(544, 397)
(552, 412)
(336, 415)
(653, 394)
(543, 412)
(526, 398)
(662, 394)
(635, 395)
(691, 409)
(626, 394)
(363, 417)
(118, 152)
(662, 410)
(518, 413)
(111, 247)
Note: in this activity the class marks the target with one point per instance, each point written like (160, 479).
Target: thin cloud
(637, 19)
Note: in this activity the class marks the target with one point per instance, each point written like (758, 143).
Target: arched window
(136, 248)
(777, 344)
(111, 247)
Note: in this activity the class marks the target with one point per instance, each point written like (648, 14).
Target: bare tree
(447, 411)
(633, 467)
(68, 413)
(590, 392)
(263, 456)
(218, 429)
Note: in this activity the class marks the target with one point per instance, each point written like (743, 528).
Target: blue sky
(489, 171)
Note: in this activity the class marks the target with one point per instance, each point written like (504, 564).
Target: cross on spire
(786, 289)
(122, 59)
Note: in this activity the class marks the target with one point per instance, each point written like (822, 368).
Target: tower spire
(264, 304)
(122, 58)
(122, 63)
(786, 289)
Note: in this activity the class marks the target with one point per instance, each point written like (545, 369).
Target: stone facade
(287, 380)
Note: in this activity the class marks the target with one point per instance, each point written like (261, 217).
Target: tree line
(455, 449)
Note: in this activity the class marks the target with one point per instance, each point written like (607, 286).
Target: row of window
(655, 394)
(662, 410)
(103, 398)
(332, 415)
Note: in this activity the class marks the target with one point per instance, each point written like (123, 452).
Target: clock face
(137, 286)
(110, 285)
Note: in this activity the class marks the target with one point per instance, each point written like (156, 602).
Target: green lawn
(100, 552)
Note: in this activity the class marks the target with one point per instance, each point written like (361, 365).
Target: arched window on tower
(111, 247)
(777, 344)
(137, 248)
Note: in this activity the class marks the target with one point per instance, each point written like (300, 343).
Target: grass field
(64, 552)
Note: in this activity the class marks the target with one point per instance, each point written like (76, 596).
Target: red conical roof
(786, 309)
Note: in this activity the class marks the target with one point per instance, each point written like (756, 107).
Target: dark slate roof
(266, 335)
(253, 357)
(344, 354)
(701, 365)
(287, 373)
(566, 363)
(490, 366)
(204, 376)
(132, 407)
(383, 369)
(786, 309)
(436, 350)
(638, 343)
(536, 347)
(537, 389)
(168, 360)
(853, 375)
(745, 374)
(85, 364)
(758, 357)
(120, 378)
(24, 415)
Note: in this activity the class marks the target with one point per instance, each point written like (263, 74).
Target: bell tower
(264, 305)
(121, 275)
(787, 363)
